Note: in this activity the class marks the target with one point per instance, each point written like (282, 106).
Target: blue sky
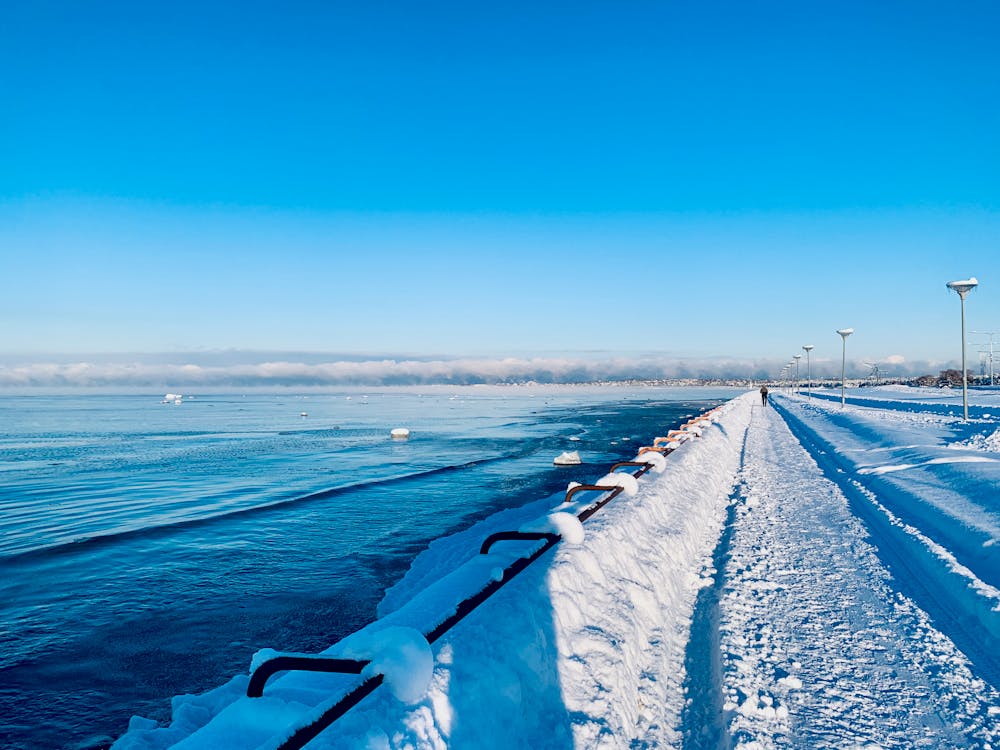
(695, 180)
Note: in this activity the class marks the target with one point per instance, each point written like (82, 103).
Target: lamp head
(964, 286)
(845, 332)
(796, 356)
(808, 347)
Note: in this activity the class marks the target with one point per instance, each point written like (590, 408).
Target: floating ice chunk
(617, 479)
(567, 458)
(792, 683)
(401, 654)
(567, 525)
(659, 463)
(574, 438)
(400, 433)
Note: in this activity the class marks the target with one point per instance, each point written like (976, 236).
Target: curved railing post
(644, 467)
(299, 663)
(510, 536)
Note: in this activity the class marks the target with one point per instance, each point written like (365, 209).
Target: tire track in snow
(818, 648)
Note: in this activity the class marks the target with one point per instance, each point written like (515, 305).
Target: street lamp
(809, 377)
(844, 333)
(963, 288)
(797, 357)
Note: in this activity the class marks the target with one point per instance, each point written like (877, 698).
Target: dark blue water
(148, 549)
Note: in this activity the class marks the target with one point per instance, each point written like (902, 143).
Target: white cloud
(154, 372)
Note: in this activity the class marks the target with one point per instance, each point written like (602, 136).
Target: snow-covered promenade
(800, 575)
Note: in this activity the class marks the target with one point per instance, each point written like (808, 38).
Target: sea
(150, 545)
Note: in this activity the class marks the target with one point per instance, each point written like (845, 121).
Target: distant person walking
(763, 395)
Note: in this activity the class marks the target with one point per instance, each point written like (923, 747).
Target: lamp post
(844, 333)
(809, 377)
(963, 287)
(797, 357)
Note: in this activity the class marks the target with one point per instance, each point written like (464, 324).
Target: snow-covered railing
(300, 663)
(566, 525)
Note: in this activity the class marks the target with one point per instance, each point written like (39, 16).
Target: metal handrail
(510, 536)
(650, 448)
(645, 467)
(305, 734)
(299, 663)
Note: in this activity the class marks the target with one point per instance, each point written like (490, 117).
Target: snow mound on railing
(659, 463)
(401, 654)
(628, 483)
(566, 525)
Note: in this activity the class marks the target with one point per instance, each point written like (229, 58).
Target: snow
(567, 525)
(657, 461)
(401, 654)
(846, 558)
(812, 623)
(628, 483)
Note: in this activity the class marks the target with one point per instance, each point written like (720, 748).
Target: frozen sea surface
(149, 549)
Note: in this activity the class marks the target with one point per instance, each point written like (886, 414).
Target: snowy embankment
(822, 643)
(584, 648)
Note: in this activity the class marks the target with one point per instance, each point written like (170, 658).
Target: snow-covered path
(819, 647)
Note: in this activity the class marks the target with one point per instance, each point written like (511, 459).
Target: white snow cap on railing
(567, 525)
(659, 463)
(401, 654)
(626, 481)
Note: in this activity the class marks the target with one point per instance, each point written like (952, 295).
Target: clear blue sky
(484, 178)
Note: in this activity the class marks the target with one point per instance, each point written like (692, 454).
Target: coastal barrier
(565, 523)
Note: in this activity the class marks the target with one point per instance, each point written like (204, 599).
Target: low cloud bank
(468, 371)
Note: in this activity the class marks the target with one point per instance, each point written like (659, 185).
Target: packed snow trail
(819, 647)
